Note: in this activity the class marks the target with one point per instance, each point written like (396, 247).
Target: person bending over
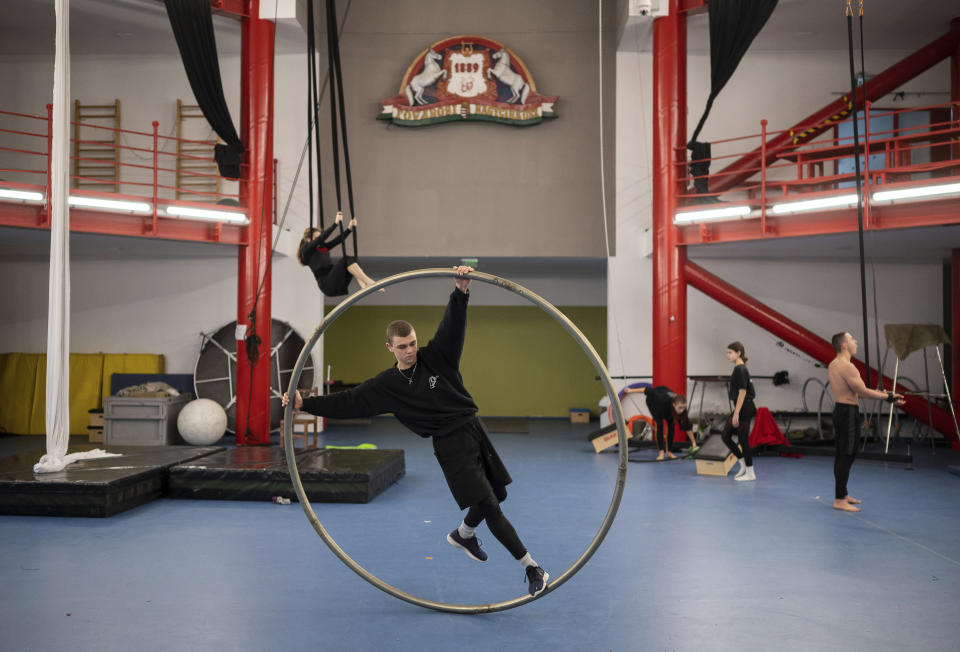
(741, 395)
(666, 407)
(425, 392)
(848, 388)
(333, 279)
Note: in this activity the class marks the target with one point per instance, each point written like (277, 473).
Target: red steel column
(669, 133)
(256, 117)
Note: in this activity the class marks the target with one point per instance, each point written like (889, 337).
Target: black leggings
(747, 412)
(847, 432)
(663, 422)
(489, 509)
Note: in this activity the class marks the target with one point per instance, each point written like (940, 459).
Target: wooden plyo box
(606, 440)
(95, 429)
(716, 467)
(579, 415)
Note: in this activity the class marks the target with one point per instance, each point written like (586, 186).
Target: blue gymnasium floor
(691, 563)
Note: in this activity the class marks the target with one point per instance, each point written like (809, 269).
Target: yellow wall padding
(86, 370)
(128, 363)
(23, 382)
(19, 381)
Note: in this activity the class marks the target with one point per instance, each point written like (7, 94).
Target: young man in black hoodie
(425, 392)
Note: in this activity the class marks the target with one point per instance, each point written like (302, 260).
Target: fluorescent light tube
(22, 195)
(923, 191)
(190, 212)
(814, 204)
(710, 214)
(109, 204)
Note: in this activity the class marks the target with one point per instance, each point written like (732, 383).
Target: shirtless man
(848, 387)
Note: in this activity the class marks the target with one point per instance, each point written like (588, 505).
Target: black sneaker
(537, 578)
(470, 546)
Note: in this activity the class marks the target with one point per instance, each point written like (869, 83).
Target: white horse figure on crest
(432, 71)
(507, 76)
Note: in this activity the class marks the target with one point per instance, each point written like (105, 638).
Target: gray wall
(478, 189)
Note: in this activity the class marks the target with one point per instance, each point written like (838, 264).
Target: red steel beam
(669, 136)
(253, 264)
(814, 124)
(805, 340)
(692, 7)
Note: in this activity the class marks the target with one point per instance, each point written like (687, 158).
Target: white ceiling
(798, 25)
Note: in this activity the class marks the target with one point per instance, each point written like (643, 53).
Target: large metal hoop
(570, 328)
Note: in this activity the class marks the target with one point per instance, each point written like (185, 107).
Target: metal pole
(946, 387)
(896, 371)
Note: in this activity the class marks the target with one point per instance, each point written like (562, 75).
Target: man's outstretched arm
(360, 401)
(449, 338)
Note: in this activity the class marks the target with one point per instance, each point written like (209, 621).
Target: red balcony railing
(899, 149)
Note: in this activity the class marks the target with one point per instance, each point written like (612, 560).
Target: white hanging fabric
(58, 315)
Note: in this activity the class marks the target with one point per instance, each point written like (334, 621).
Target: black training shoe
(537, 578)
(470, 546)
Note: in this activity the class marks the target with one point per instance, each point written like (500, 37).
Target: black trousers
(747, 411)
(478, 481)
(847, 428)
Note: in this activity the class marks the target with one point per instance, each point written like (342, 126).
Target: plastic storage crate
(142, 421)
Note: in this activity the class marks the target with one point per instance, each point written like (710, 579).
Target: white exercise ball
(202, 422)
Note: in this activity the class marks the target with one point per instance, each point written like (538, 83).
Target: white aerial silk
(58, 316)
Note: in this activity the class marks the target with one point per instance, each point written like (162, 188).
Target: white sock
(527, 561)
(466, 531)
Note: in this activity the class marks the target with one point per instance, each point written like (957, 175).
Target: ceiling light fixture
(688, 217)
(922, 191)
(109, 204)
(814, 204)
(20, 195)
(188, 212)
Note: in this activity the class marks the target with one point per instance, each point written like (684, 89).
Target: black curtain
(733, 26)
(192, 22)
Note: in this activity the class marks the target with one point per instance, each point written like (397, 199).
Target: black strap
(332, 17)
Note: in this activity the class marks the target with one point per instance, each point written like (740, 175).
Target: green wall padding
(517, 360)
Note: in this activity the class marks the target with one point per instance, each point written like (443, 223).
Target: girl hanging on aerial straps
(333, 279)
(665, 407)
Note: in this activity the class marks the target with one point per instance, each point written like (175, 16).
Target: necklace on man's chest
(413, 371)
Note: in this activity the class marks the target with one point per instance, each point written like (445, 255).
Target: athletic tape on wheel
(571, 329)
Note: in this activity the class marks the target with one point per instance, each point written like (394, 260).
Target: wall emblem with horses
(467, 78)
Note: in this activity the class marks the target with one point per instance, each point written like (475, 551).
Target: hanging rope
(856, 160)
(311, 88)
(332, 17)
(873, 270)
(334, 103)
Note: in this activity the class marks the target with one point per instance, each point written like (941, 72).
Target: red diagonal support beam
(813, 125)
(805, 340)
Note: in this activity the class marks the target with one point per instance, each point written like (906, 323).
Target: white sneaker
(740, 473)
(747, 476)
